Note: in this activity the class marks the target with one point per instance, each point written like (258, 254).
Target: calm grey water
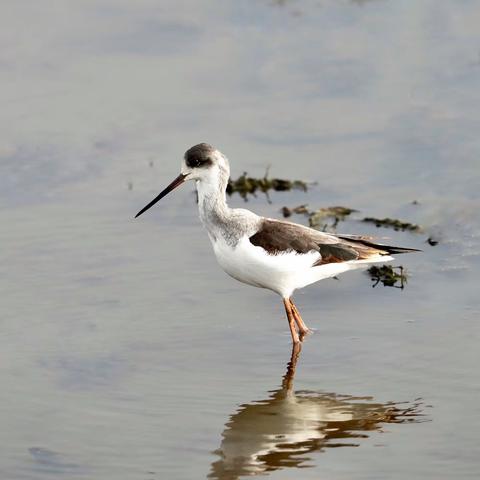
(126, 353)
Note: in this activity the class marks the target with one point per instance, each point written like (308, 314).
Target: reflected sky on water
(125, 351)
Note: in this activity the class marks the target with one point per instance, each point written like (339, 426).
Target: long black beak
(178, 181)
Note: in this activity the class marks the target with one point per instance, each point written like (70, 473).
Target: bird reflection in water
(279, 432)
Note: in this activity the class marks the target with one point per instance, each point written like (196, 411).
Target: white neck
(212, 204)
(222, 222)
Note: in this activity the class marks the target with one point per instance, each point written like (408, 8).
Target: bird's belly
(252, 265)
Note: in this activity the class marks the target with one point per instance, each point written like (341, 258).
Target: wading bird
(263, 252)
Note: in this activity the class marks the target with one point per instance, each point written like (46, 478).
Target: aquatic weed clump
(388, 275)
(324, 218)
(337, 214)
(393, 223)
(245, 185)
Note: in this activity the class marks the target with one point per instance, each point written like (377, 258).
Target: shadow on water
(280, 431)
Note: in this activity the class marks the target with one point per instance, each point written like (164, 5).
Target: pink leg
(291, 320)
(302, 328)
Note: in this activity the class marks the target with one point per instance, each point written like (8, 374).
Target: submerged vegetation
(388, 275)
(393, 223)
(323, 218)
(337, 214)
(245, 185)
(319, 219)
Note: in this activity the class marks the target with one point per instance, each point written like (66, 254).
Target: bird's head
(202, 163)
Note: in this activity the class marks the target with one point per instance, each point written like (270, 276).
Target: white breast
(249, 264)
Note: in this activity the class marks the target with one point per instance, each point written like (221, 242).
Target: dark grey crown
(199, 155)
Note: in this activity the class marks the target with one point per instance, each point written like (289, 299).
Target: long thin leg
(291, 320)
(302, 327)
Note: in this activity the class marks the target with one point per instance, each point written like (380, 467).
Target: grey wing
(276, 236)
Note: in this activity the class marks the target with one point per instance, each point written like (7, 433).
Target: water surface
(125, 351)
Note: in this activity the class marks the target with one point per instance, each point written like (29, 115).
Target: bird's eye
(196, 162)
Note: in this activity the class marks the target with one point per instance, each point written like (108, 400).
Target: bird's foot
(304, 333)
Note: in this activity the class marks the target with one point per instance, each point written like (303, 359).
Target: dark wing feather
(276, 237)
(364, 241)
(279, 237)
(336, 254)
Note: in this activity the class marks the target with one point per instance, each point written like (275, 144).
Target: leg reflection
(287, 382)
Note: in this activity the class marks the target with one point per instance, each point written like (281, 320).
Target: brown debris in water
(393, 223)
(388, 275)
(338, 214)
(245, 185)
(301, 210)
(322, 218)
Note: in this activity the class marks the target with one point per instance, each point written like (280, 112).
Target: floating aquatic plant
(388, 275)
(245, 185)
(393, 223)
(338, 213)
(301, 210)
(320, 218)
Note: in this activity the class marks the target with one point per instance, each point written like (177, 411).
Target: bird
(264, 252)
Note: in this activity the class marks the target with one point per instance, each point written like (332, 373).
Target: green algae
(389, 276)
(393, 223)
(337, 214)
(245, 185)
(322, 218)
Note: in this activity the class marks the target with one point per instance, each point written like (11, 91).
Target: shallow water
(125, 351)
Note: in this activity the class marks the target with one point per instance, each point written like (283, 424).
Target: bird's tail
(368, 242)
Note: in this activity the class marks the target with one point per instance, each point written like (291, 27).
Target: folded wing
(277, 237)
